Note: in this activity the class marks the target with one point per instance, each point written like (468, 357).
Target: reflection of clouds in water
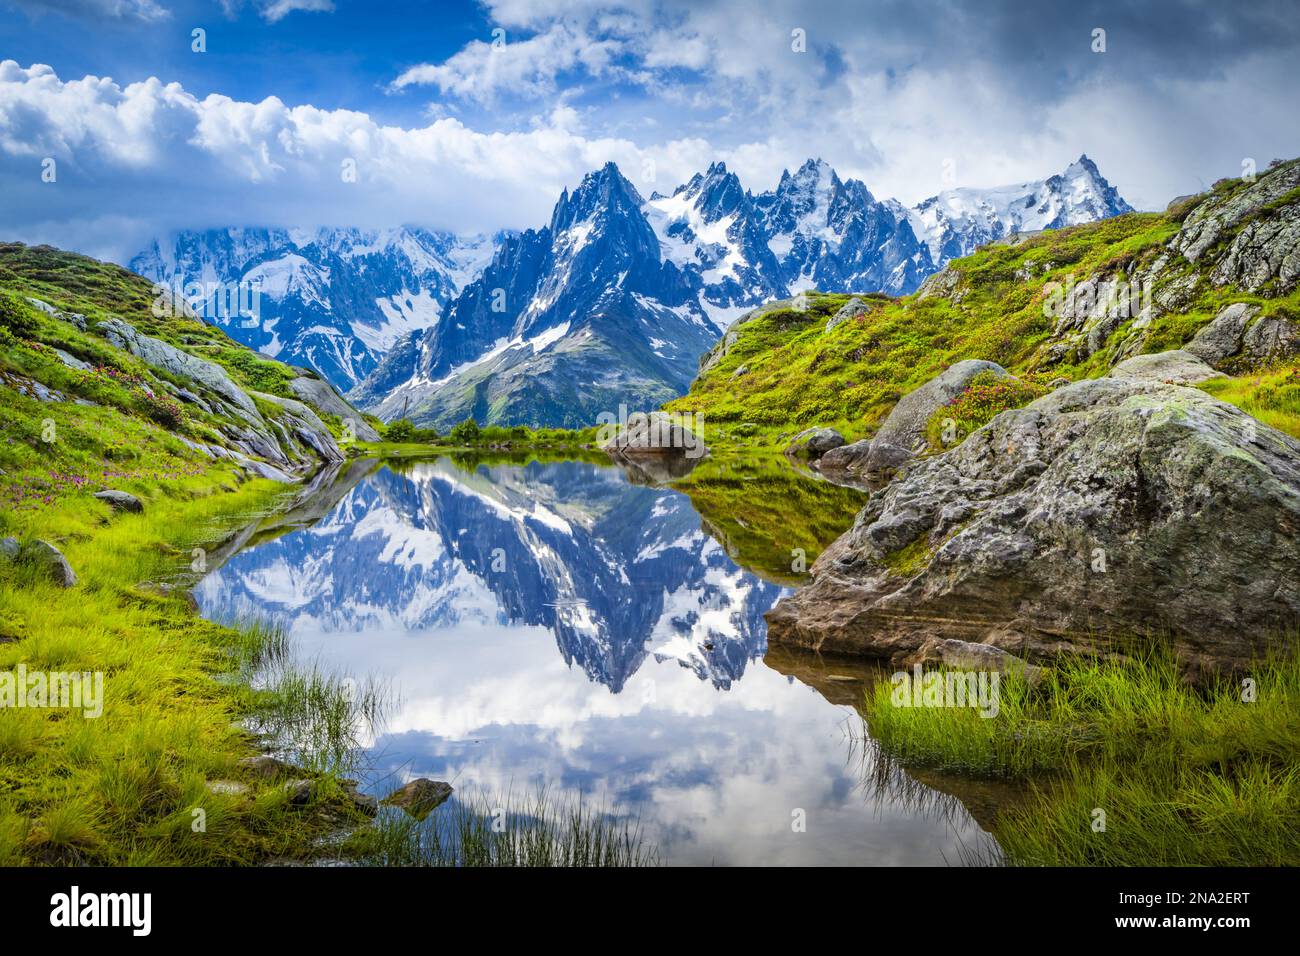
(666, 711)
(713, 777)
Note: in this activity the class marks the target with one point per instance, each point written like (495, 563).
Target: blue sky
(472, 116)
(342, 58)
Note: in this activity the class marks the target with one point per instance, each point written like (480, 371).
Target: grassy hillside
(785, 371)
(129, 786)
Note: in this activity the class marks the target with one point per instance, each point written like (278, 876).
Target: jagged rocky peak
(624, 290)
(716, 192)
(605, 191)
(333, 299)
(955, 222)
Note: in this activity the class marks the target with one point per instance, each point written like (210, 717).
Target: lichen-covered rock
(1104, 511)
(1269, 338)
(1212, 218)
(1176, 367)
(1236, 337)
(1221, 336)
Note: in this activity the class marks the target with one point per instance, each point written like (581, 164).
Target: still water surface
(556, 625)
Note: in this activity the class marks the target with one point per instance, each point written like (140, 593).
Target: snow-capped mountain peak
(334, 299)
(610, 302)
(955, 222)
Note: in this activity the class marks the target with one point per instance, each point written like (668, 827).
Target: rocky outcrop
(1221, 337)
(849, 310)
(902, 434)
(812, 443)
(306, 427)
(321, 395)
(168, 358)
(1237, 338)
(943, 284)
(1176, 367)
(1266, 245)
(1245, 236)
(1103, 512)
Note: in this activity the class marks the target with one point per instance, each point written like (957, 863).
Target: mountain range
(335, 300)
(611, 302)
(617, 572)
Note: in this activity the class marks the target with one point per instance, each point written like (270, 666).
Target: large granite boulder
(903, 433)
(1104, 512)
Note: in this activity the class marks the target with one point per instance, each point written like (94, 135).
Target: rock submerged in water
(812, 443)
(420, 797)
(1104, 511)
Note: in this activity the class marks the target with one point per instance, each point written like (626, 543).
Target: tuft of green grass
(1271, 395)
(1181, 774)
(984, 398)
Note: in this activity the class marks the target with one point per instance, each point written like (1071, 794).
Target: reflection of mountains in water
(616, 571)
